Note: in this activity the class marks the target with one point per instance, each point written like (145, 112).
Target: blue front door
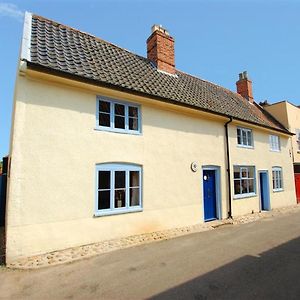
(264, 191)
(209, 195)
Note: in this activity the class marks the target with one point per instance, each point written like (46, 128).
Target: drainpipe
(228, 169)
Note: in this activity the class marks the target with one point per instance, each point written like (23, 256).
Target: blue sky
(214, 40)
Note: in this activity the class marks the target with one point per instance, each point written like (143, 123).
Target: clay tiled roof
(69, 52)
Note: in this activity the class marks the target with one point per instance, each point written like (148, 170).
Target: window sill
(243, 146)
(277, 190)
(117, 211)
(272, 150)
(242, 196)
(123, 131)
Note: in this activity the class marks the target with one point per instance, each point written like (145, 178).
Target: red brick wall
(244, 88)
(160, 49)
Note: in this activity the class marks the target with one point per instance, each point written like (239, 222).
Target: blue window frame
(118, 189)
(118, 116)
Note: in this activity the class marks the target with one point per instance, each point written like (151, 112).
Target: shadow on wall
(275, 274)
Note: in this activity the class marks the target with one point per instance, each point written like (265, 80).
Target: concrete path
(259, 260)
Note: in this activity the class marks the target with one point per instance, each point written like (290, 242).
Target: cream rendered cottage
(107, 144)
(289, 115)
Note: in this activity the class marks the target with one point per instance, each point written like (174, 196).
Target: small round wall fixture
(194, 166)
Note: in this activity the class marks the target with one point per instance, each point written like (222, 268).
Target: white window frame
(244, 195)
(247, 131)
(277, 182)
(112, 167)
(274, 141)
(112, 128)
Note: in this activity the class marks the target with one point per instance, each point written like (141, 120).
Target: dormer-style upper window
(118, 116)
(244, 137)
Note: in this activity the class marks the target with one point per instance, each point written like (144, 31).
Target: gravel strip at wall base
(77, 253)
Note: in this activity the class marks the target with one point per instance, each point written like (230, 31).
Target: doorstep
(86, 251)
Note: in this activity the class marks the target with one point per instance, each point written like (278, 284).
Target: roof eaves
(26, 38)
(44, 69)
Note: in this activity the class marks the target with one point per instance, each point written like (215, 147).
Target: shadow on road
(275, 274)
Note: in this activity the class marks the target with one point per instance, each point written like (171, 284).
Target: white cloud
(12, 11)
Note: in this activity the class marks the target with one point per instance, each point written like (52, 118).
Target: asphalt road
(258, 260)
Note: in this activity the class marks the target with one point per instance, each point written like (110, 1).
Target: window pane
(104, 106)
(236, 172)
(244, 186)
(133, 124)
(120, 198)
(104, 180)
(251, 185)
(103, 199)
(134, 178)
(244, 137)
(119, 109)
(280, 183)
(237, 187)
(119, 122)
(119, 179)
(104, 119)
(133, 111)
(244, 173)
(238, 134)
(278, 179)
(134, 197)
(249, 135)
(274, 142)
(251, 172)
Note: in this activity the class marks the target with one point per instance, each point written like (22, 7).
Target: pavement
(258, 260)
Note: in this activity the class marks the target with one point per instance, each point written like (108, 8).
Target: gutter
(228, 168)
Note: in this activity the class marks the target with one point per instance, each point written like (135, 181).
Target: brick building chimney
(160, 49)
(244, 86)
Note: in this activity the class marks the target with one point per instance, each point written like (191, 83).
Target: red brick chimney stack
(160, 49)
(244, 86)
